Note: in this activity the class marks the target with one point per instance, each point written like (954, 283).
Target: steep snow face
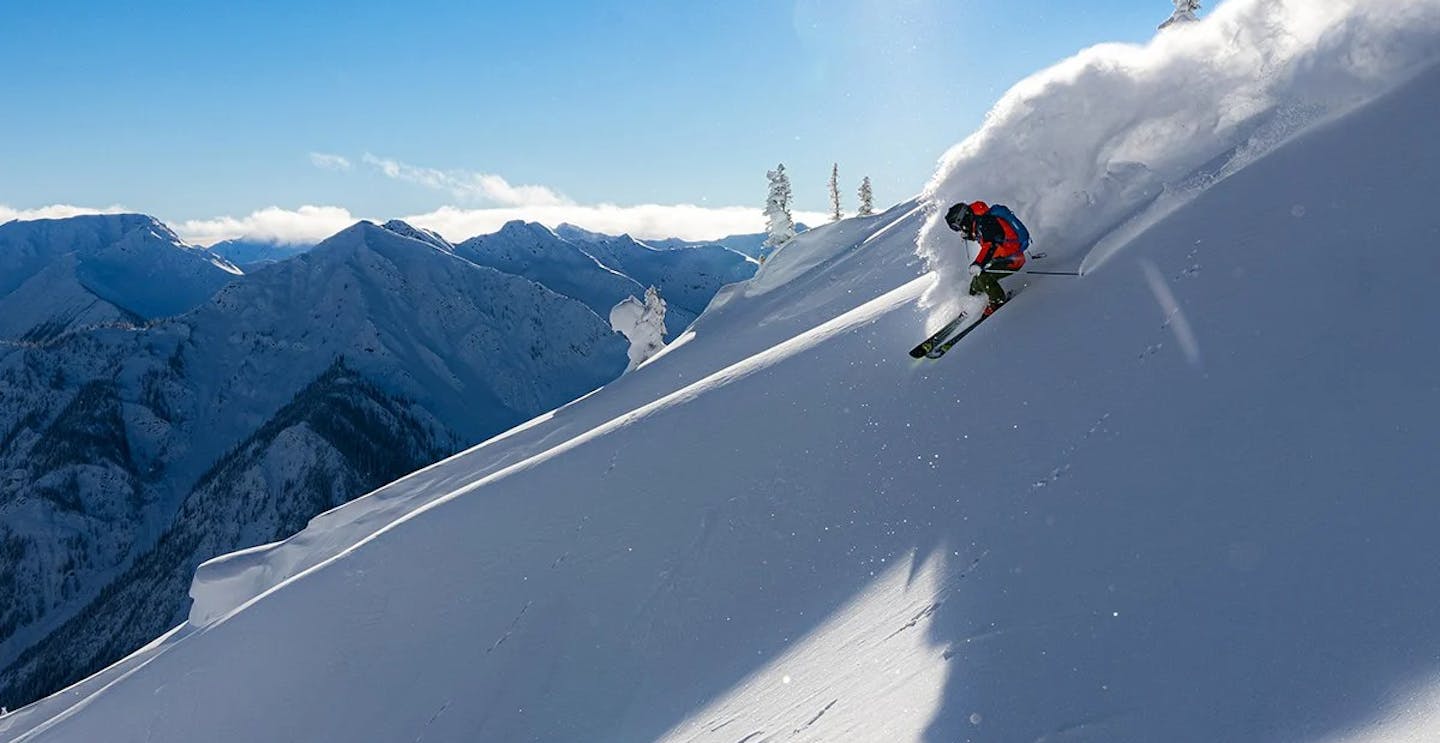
(1125, 132)
(56, 274)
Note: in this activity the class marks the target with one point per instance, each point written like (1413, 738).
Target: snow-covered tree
(835, 214)
(642, 323)
(779, 225)
(1185, 11)
(867, 198)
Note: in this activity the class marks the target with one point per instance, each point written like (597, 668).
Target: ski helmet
(960, 218)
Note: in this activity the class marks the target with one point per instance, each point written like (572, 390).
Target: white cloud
(307, 224)
(644, 221)
(468, 186)
(326, 161)
(56, 211)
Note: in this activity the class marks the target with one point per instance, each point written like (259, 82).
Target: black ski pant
(988, 283)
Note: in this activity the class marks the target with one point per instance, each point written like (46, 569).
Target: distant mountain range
(160, 404)
(56, 275)
(249, 255)
(751, 245)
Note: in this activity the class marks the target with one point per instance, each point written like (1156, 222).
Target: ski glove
(974, 269)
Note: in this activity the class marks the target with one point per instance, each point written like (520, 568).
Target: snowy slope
(1185, 498)
(58, 274)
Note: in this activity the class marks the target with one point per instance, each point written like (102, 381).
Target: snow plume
(55, 211)
(1124, 133)
(308, 224)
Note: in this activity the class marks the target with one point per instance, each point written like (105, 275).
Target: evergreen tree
(867, 198)
(1185, 11)
(835, 215)
(778, 223)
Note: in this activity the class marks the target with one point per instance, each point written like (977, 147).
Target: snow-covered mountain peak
(579, 234)
(519, 228)
(366, 235)
(87, 231)
(401, 227)
(395, 301)
(602, 270)
(58, 274)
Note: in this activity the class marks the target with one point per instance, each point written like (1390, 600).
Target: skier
(1003, 240)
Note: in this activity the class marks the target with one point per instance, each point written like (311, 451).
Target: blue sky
(196, 110)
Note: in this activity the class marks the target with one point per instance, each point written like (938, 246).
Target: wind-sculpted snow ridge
(1124, 132)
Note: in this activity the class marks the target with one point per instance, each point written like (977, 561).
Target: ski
(929, 344)
(938, 351)
(936, 345)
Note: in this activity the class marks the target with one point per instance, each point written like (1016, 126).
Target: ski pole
(1041, 273)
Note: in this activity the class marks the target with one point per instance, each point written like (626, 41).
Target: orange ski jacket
(999, 242)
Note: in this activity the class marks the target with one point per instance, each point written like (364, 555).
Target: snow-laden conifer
(643, 323)
(779, 225)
